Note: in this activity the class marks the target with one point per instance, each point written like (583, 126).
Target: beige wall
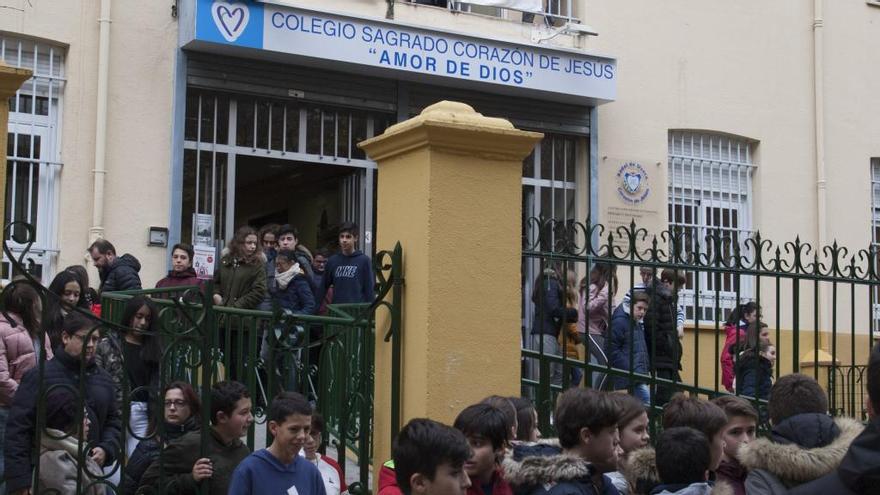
(142, 47)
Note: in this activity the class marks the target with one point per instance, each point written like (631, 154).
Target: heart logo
(231, 19)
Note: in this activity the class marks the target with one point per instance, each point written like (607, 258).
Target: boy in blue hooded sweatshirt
(279, 469)
(349, 272)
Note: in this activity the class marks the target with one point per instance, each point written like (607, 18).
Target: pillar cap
(11, 78)
(457, 128)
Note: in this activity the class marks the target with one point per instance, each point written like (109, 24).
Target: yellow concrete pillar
(11, 79)
(449, 189)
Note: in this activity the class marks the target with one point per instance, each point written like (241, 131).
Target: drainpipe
(100, 170)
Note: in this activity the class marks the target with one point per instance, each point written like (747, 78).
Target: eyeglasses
(176, 403)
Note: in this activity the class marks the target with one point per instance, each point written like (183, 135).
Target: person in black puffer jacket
(661, 332)
(181, 416)
(117, 273)
(105, 424)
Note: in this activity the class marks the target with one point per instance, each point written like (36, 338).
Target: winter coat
(641, 475)
(59, 469)
(105, 428)
(733, 474)
(702, 488)
(109, 355)
(858, 472)
(148, 451)
(735, 335)
(185, 278)
(661, 328)
(122, 274)
(597, 311)
(388, 480)
(297, 296)
(500, 486)
(628, 349)
(547, 303)
(802, 448)
(570, 338)
(178, 458)
(754, 375)
(542, 469)
(240, 284)
(16, 355)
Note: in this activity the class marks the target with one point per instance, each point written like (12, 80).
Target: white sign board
(204, 259)
(203, 229)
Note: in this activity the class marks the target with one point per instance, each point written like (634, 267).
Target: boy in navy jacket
(349, 272)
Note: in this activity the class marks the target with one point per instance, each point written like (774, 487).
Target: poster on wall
(203, 229)
(204, 258)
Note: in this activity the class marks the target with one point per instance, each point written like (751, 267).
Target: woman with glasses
(181, 415)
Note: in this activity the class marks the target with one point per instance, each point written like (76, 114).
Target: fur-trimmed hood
(793, 464)
(538, 463)
(641, 475)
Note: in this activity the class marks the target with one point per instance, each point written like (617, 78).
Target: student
(349, 272)
(735, 330)
(288, 239)
(526, 420)
(742, 422)
(548, 298)
(586, 420)
(292, 290)
(331, 472)
(60, 469)
(805, 443)
(68, 289)
(487, 432)
(506, 406)
(681, 410)
(90, 299)
(632, 427)
(683, 460)
(859, 471)
(73, 366)
(279, 468)
(132, 359)
(182, 272)
(647, 276)
(240, 280)
(429, 459)
(569, 338)
(754, 371)
(180, 416)
(662, 334)
(181, 470)
(594, 316)
(628, 349)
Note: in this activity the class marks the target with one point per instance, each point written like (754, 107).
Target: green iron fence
(819, 304)
(329, 359)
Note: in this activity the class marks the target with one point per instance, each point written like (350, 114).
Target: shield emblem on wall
(631, 181)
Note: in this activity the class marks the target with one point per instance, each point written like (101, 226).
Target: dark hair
(629, 408)
(184, 247)
(525, 417)
(151, 348)
(579, 408)
(639, 296)
(873, 378)
(22, 300)
(287, 229)
(269, 228)
(323, 252)
(287, 254)
(81, 273)
(317, 422)
(505, 406)
(286, 404)
(103, 246)
(60, 282)
(422, 445)
(696, 413)
(236, 246)
(76, 321)
(675, 276)
(224, 396)
(350, 227)
(63, 408)
(795, 394)
(485, 421)
(683, 456)
(192, 400)
(604, 274)
(741, 311)
(734, 406)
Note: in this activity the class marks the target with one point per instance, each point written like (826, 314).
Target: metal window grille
(33, 153)
(549, 191)
(223, 128)
(875, 229)
(562, 10)
(710, 208)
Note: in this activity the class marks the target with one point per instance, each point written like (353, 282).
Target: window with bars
(33, 151)
(710, 208)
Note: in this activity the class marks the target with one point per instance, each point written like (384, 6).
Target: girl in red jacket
(735, 328)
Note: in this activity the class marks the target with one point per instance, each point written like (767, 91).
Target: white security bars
(710, 194)
(875, 228)
(33, 152)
